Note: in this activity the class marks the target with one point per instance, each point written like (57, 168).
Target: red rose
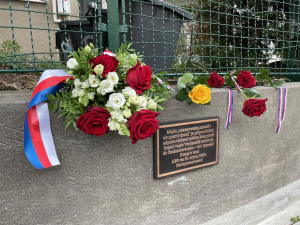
(254, 107)
(109, 63)
(139, 77)
(94, 121)
(215, 80)
(246, 80)
(142, 125)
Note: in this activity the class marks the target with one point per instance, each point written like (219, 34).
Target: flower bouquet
(110, 92)
(197, 89)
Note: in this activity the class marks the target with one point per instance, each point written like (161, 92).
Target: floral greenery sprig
(115, 92)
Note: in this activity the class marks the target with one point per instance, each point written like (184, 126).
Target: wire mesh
(176, 36)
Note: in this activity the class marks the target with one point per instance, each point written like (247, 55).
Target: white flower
(87, 49)
(75, 93)
(113, 76)
(99, 69)
(81, 92)
(85, 84)
(91, 95)
(151, 104)
(93, 81)
(127, 113)
(118, 115)
(77, 83)
(116, 100)
(128, 91)
(133, 100)
(107, 87)
(142, 102)
(134, 56)
(113, 125)
(72, 63)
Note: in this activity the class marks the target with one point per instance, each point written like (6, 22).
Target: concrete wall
(109, 181)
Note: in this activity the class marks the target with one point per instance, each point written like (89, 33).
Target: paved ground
(283, 218)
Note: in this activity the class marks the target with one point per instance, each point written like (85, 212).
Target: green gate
(176, 36)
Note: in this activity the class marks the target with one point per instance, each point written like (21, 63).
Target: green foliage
(66, 106)
(12, 57)
(295, 220)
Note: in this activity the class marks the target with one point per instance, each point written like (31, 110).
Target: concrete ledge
(109, 181)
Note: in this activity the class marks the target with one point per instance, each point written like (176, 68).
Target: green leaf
(60, 106)
(58, 96)
(162, 72)
(50, 106)
(187, 77)
(55, 106)
(182, 95)
(180, 84)
(229, 83)
(160, 107)
(207, 103)
(161, 100)
(264, 73)
(74, 125)
(202, 79)
(278, 83)
(49, 98)
(236, 73)
(68, 124)
(270, 81)
(294, 220)
(251, 92)
(63, 113)
(189, 101)
(52, 97)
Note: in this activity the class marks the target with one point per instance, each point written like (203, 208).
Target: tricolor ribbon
(229, 112)
(281, 107)
(38, 142)
(163, 83)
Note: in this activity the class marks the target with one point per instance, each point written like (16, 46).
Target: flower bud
(87, 49)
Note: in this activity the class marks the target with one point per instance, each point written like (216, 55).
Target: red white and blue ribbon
(230, 107)
(38, 142)
(281, 107)
(235, 83)
(106, 52)
(169, 87)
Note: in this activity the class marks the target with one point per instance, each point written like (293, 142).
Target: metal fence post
(113, 25)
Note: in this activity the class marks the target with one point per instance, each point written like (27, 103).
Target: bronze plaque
(185, 145)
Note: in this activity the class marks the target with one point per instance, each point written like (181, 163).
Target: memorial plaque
(185, 145)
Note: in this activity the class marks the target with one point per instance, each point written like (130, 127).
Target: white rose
(81, 92)
(128, 91)
(113, 76)
(85, 84)
(93, 81)
(116, 100)
(133, 100)
(99, 69)
(75, 93)
(134, 56)
(72, 63)
(151, 104)
(127, 113)
(87, 49)
(91, 95)
(77, 83)
(142, 102)
(107, 87)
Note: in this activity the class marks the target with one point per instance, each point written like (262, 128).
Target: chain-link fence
(176, 36)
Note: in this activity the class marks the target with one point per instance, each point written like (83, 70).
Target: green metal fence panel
(176, 36)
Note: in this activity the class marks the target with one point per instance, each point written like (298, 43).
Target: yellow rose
(200, 94)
